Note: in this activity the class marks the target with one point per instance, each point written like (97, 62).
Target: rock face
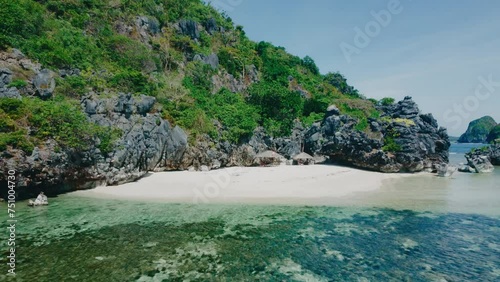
(147, 143)
(482, 160)
(494, 154)
(212, 59)
(189, 28)
(446, 170)
(478, 130)
(233, 84)
(211, 26)
(215, 155)
(417, 141)
(44, 83)
(5, 90)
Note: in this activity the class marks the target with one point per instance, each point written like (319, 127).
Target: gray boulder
(479, 162)
(482, 160)
(148, 24)
(44, 83)
(145, 104)
(421, 144)
(11, 92)
(211, 26)
(494, 154)
(212, 59)
(446, 170)
(190, 28)
(5, 77)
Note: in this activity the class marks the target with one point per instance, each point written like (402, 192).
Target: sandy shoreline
(278, 185)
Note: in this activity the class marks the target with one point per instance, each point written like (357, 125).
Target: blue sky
(438, 52)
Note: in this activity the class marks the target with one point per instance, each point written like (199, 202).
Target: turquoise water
(414, 229)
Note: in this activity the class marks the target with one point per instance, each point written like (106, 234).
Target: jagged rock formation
(215, 155)
(147, 143)
(482, 160)
(478, 130)
(417, 141)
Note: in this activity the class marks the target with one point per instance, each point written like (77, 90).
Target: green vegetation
(104, 41)
(18, 83)
(390, 144)
(58, 119)
(494, 135)
(405, 121)
(359, 109)
(483, 149)
(386, 101)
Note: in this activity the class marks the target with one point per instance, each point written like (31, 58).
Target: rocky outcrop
(212, 154)
(146, 143)
(416, 142)
(189, 28)
(211, 26)
(233, 84)
(5, 80)
(478, 163)
(212, 59)
(478, 130)
(446, 170)
(482, 160)
(44, 83)
(494, 154)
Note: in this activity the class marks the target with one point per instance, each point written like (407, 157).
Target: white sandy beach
(282, 184)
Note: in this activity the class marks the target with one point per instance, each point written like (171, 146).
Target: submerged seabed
(79, 239)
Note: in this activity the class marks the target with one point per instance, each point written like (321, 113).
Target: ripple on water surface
(101, 240)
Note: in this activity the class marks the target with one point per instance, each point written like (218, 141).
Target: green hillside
(160, 48)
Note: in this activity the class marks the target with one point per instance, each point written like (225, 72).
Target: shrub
(277, 106)
(129, 80)
(6, 123)
(390, 144)
(17, 140)
(309, 64)
(107, 138)
(60, 120)
(231, 61)
(20, 19)
(386, 101)
(63, 46)
(18, 83)
(12, 107)
(232, 111)
(131, 54)
(71, 86)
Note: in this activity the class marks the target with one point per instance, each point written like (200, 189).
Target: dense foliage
(102, 40)
(58, 119)
(494, 135)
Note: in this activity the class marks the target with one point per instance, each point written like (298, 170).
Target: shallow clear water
(414, 229)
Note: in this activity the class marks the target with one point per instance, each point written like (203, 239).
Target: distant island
(482, 130)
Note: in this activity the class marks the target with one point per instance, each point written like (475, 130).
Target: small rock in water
(99, 258)
(150, 244)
